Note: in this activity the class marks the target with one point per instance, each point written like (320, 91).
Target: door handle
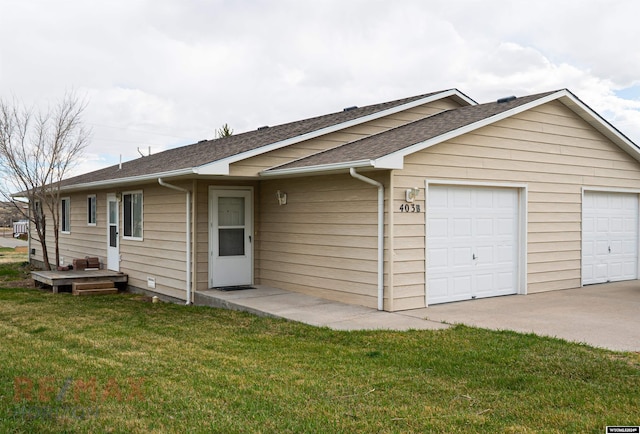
(249, 238)
(474, 257)
(609, 249)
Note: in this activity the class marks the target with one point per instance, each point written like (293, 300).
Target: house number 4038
(409, 207)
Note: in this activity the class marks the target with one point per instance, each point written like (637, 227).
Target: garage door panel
(630, 225)
(610, 245)
(485, 283)
(461, 256)
(505, 254)
(461, 285)
(483, 253)
(588, 249)
(461, 199)
(461, 227)
(629, 270)
(484, 227)
(588, 224)
(480, 238)
(505, 281)
(439, 258)
(602, 247)
(615, 269)
(616, 225)
(628, 247)
(506, 226)
(439, 287)
(602, 224)
(438, 228)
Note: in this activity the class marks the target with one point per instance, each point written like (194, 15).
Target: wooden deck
(56, 279)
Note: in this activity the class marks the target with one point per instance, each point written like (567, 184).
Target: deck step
(96, 284)
(98, 287)
(99, 291)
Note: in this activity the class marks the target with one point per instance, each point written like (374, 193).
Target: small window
(132, 215)
(65, 215)
(91, 210)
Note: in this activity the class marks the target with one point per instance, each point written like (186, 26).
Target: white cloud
(169, 72)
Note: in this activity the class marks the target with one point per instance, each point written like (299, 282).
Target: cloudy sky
(165, 73)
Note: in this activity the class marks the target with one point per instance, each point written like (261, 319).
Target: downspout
(356, 175)
(188, 235)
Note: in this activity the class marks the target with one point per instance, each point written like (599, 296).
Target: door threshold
(234, 288)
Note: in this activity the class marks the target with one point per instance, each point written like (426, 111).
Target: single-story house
(398, 205)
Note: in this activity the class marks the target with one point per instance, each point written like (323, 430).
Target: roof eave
(128, 180)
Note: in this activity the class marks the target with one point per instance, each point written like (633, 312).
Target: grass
(120, 364)
(10, 255)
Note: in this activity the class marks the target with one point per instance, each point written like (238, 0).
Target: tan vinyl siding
(252, 166)
(551, 150)
(201, 241)
(83, 239)
(161, 252)
(323, 241)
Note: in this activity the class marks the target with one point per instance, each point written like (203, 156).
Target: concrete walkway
(12, 242)
(606, 315)
(315, 311)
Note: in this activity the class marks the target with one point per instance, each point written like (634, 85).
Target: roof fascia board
(221, 167)
(127, 180)
(319, 168)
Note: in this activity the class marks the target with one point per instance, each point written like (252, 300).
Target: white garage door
(609, 237)
(472, 242)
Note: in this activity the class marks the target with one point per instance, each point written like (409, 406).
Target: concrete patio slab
(312, 310)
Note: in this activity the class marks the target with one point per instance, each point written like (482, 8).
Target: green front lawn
(121, 364)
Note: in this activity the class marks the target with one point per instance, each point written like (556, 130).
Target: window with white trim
(65, 215)
(91, 210)
(132, 215)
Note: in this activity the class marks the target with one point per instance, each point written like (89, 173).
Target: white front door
(472, 243)
(609, 237)
(113, 239)
(230, 237)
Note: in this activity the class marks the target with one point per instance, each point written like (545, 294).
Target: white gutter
(318, 168)
(188, 235)
(113, 182)
(356, 175)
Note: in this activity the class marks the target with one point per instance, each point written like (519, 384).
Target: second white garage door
(472, 242)
(609, 237)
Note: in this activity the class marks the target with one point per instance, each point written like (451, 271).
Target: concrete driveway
(605, 315)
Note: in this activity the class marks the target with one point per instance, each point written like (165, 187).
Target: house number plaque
(410, 207)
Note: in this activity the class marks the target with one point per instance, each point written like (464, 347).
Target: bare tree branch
(37, 151)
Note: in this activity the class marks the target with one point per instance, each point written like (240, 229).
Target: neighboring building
(9, 214)
(397, 205)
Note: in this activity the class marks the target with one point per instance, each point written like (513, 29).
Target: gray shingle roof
(208, 151)
(396, 139)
